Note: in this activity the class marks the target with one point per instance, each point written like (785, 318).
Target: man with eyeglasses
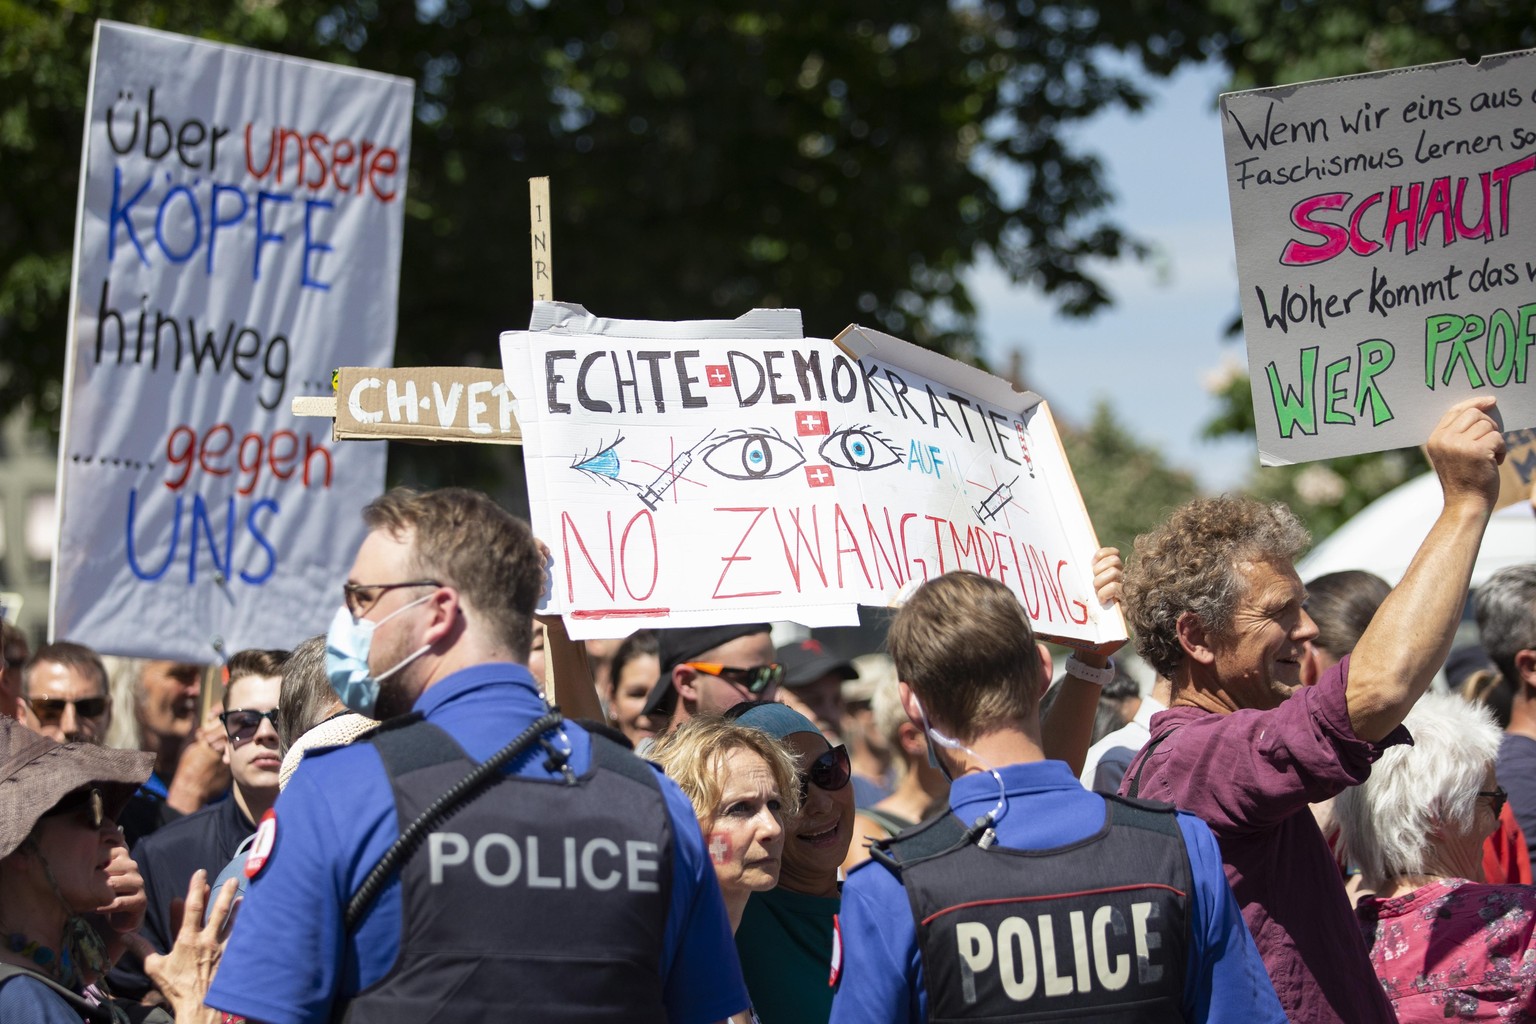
(570, 882)
(707, 670)
(64, 694)
(207, 838)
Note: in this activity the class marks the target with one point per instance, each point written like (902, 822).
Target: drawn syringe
(994, 503)
(654, 492)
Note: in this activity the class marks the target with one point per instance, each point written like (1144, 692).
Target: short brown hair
(1342, 605)
(965, 646)
(693, 756)
(77, 657)
(464, 540)
(1191, 564)
(253, 662)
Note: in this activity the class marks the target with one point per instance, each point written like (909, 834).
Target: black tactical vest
(540, 900)
(1097, 930)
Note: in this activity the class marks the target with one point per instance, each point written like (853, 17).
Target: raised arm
(1067, 732)
(1407, 641)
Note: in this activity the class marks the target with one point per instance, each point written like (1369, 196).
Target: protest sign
(424, 403)
(239, 234)
(708, 472)
(1386, 248)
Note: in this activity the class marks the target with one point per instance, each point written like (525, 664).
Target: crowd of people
(443, 808)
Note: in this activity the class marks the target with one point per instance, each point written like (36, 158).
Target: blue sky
(1149, 353)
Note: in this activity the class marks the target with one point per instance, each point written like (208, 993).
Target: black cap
(807, 661)
(680, 645)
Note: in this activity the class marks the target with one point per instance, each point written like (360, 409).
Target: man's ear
(911, 705)
(1194, 638)
(684, 682)
(1525, 664)
(911, 740)
(1047, 667)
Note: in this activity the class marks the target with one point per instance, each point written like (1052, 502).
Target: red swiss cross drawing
(818, 476)
(261, 844)
(718, 375)
(810, 423)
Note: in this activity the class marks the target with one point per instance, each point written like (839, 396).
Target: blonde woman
(743, 786)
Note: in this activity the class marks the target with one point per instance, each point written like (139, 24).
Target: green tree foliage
(1127, 486)
(706, 158)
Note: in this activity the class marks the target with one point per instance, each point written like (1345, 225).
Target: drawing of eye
(753, 455)
(861, 448)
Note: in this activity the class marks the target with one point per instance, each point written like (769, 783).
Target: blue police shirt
(882, 977)
(288, 956)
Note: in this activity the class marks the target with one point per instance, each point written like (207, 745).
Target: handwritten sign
(1386, 245)
(425, 403)
(239, 236)
(685, 476)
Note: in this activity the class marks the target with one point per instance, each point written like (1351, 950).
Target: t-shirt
(785, 941)
(1455, 950)
(882, 979)
(337, 817)
(1517, 774)
(1107, 760)
(28, 1000)
(1250, 775)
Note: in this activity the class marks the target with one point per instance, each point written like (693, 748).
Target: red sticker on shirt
(261, 844)
(837, 952)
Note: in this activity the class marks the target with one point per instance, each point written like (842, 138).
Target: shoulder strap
(1146, 755)
(413, 744)
(892, 824)
(610, 755)
(933, 837)
(1151, 815)
(420, 751)
(95, 1014)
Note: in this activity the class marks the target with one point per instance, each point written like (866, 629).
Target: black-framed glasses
(831, 772)
(1498, 795)
(756, 680)
(361, 597)
(241, 724)
(87, 798)
(50, 710)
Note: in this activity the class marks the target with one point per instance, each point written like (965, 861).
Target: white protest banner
(1386, 250)
(239, 235)
(695, 473)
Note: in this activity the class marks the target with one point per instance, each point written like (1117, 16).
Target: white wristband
(1089, 674)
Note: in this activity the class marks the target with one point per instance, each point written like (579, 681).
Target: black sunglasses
(831, 772)
(360, 597)
(88, 798)
(49, 710)
(1499, 797)
(756, 680)
(240, 725)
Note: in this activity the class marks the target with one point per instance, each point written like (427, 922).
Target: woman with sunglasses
(58, 805)
(786, 935)
(1444, 945)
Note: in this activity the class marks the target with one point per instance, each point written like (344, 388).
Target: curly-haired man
(1218, 609)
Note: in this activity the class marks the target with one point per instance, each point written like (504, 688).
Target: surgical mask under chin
(346, 659)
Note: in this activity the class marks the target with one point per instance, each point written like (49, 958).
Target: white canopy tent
(1383, 537)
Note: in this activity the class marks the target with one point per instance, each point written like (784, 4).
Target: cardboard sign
(687, 474)
(1517, 477)
(1386, 247)
(425, 403)
(240, 221)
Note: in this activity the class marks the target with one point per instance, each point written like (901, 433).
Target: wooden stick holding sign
(538, 217)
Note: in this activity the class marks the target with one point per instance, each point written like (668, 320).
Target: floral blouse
(1455, 950)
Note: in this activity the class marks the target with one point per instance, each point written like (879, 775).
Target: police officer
(1034, 899)
(572, 885)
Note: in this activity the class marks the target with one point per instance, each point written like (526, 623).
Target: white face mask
(347, 643)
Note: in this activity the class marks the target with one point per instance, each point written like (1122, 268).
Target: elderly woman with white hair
(1444, 945)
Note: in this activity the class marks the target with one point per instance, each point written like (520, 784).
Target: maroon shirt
(1250, 775)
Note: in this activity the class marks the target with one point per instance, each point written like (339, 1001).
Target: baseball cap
(806, 661)
(686, 644)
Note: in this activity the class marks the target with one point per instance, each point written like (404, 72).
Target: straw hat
(36, 773)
